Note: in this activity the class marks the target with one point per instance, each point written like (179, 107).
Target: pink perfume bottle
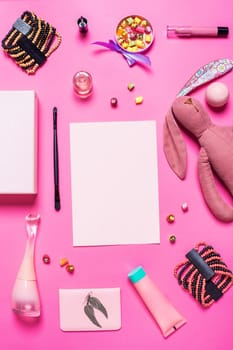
(82, 83)
(25, 296)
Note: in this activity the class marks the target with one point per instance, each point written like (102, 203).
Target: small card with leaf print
(97, 309)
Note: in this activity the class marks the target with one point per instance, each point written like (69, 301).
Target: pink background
(173, 61)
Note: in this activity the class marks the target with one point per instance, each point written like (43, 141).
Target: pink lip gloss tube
(164, 313)
(189, 31)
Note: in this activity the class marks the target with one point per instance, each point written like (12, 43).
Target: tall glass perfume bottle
(25, 296)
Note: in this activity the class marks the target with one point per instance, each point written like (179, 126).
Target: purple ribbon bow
(130, 57)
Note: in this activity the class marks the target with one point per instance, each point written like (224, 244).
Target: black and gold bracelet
(30, 42)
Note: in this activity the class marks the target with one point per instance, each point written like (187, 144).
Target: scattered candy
(184, 206)
(172, 238)
(131, 86)
(148, 30)
(134, 34)
(114, 102)
(137, 20)
(170, 218)
(63, 262)
(139, 100)
(46, 259)
(140, 29)
(148, 38)
(70, 268)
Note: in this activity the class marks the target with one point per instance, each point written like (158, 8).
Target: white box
(18, 142)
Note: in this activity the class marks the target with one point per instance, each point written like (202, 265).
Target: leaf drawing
(96, 303)
(89, 311)
(93, 303)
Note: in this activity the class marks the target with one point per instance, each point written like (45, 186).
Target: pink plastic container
(164, 313)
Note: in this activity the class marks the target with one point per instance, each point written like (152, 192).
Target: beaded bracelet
(29, 42)
(204, 274)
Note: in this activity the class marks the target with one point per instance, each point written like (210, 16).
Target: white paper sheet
(114, 183)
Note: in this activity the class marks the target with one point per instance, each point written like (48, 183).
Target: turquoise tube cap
(137, 274)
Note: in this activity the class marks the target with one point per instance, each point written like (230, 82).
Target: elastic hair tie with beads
(203, 289)
(30, 42)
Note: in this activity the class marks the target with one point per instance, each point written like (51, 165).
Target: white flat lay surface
(114, 183)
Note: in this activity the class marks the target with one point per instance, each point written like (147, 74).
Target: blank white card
(114, 179)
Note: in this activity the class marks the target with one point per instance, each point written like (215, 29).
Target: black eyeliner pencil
(57, 203)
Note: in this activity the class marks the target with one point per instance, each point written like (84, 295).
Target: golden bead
(170, 218)
(172, 238)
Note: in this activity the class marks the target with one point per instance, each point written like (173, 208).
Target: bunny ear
(174, 146)
(215, 202)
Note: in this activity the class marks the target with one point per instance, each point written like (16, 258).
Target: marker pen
(189, 31)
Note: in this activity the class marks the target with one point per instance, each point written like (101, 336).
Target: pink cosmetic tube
(166, 316)
(189, 31)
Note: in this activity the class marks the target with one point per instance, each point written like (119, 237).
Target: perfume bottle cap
(82, 82)
(82, 24)
(137, 274)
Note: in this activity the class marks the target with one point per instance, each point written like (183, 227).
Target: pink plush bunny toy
(216, 152)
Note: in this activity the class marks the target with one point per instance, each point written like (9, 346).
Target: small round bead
(170, 218)
(184, 206)
(46, 259)
(172, 238)
(70, 268)
(114, 102)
